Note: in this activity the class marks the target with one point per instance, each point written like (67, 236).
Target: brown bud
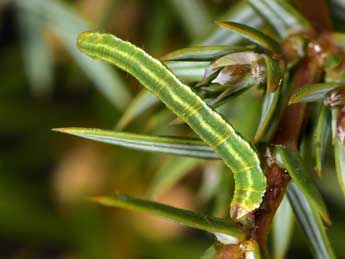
(294, 47)
(336, 98)
(246, 249)
(231, 75)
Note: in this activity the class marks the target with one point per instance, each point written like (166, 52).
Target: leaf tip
(226, 239)
(167, 57)
(103, 200)
(219, 22)
(61, 130)
(291, 101)
(257, 137)
(224, 24)
(122, 123)
(326, 218)
(71, 131)
(318, 172)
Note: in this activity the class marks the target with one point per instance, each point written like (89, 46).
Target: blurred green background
(46, 176)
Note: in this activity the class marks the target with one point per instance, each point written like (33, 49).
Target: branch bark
(290, 127)
(288, 134)
(317, 12)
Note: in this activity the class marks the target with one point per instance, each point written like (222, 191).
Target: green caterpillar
(236, 152)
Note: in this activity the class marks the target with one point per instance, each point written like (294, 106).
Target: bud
(232, 74)
(335, 98)
(335, 68)
(294, 49)
(341, 126)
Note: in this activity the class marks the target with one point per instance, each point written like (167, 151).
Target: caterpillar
(235, 151)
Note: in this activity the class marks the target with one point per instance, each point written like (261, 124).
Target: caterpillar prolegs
(236, 152)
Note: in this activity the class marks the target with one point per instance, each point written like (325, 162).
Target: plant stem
(317, 12)
(289, 129)
(288, 134)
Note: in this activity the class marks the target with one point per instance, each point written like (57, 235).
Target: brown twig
(290, 127)
(317, 12)
(288, 134)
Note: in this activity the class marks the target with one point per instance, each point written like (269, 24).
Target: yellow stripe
(157, 78)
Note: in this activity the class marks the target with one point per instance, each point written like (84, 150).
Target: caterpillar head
(87, 43)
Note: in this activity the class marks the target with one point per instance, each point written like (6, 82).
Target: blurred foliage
(45, 176)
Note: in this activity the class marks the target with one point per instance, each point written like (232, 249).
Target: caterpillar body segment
(236, 152)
